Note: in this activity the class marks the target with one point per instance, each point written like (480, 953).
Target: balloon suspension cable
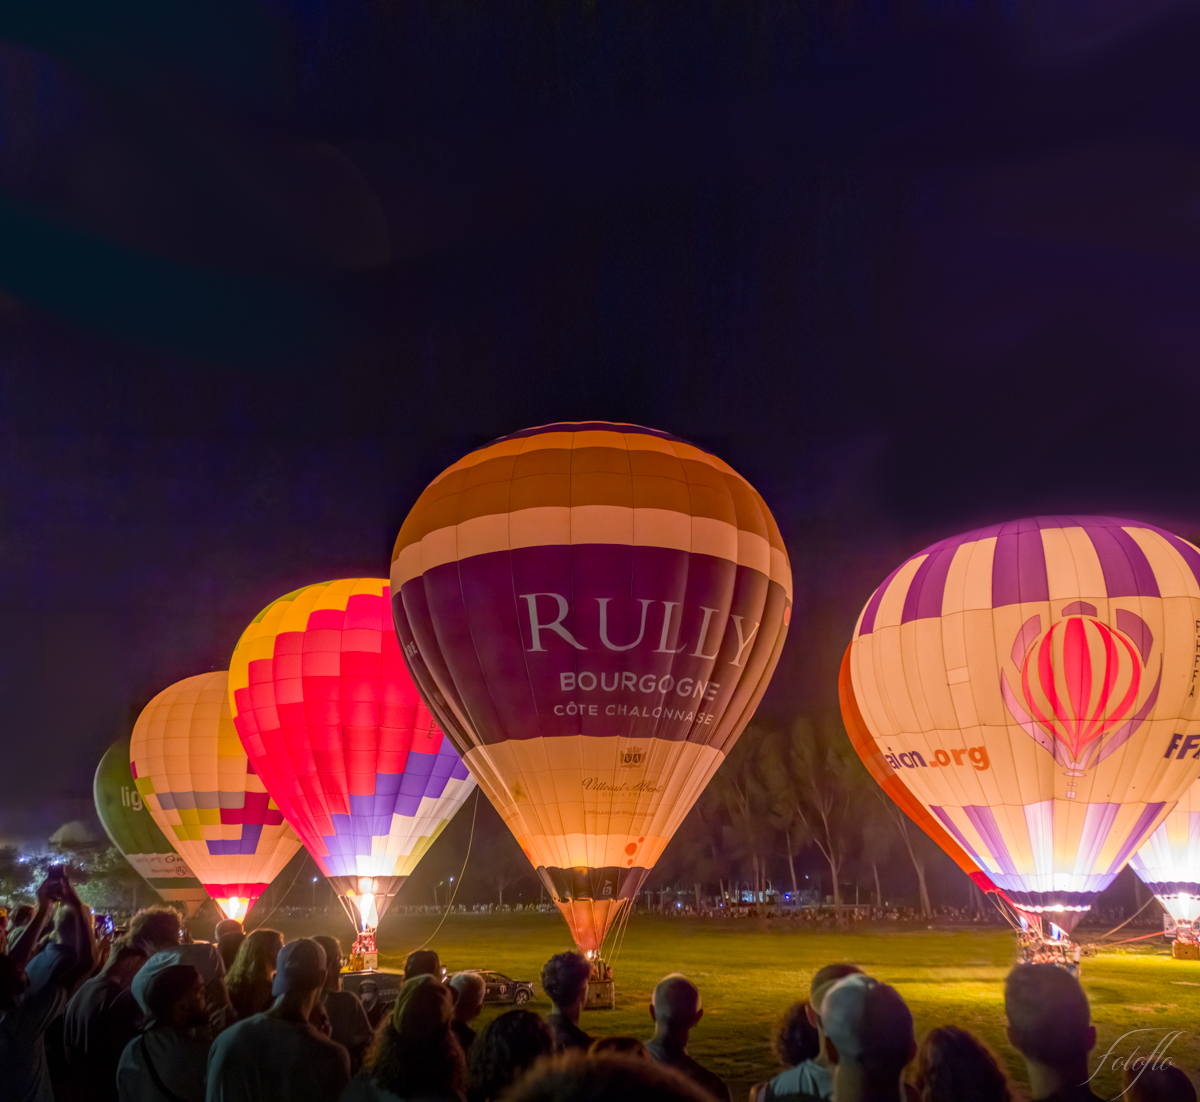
(454, 894)
(280, 899)
(1110, 933)
(622, 926)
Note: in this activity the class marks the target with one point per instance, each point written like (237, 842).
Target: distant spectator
(52, 975)
(415, 1054)
(423, 962)
(619, 1046)
(1049, 1024)
(1149, 1080)
(954, 1066)
(869, 1038)
(676, 1011)
(278, 1056)
(469, 989)
(347, 1018)
(576, 1077)
(168, 1061)
(505, 1049)
(565, 981)
(249, 980)
(229, 937)
(101, 1019)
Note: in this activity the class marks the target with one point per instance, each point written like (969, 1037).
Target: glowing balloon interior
(1032, 684)
(134, 832)
(1169, 864)
(194, 777)
(593, 612)
(336, 729)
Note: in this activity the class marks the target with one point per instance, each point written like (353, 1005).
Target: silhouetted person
(423, 962)
(577, 1077)
(565, 981)
(229, 936)
(415, 1054)
(158, 929)
(52, 974)
(1150, 1080)
(101, 1019)
(469, 989)
(249, 980)
(347, 1018)
(955, 1066)
(168, 1061)
(796, 1044)
(278, 1056)
(869, 1039)
(676, 1011)
(506, 1049)
(1049, 1024)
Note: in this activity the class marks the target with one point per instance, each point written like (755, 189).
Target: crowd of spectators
(154, 1017)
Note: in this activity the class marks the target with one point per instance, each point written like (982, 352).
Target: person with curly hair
(565, 981)
(797, 1045)
(415, 1053)
(504, 1051)
(955, 1066)
(249, 980)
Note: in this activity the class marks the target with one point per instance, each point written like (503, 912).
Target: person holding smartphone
(53, 971)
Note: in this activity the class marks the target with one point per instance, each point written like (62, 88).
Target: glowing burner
(234, 907)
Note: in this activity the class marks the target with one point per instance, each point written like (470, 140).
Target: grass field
(749, 972)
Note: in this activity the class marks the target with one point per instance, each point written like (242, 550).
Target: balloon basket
(601, 995)
(1185, 950)
(364, 956)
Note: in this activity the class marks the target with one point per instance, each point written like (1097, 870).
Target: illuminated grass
(749, 973)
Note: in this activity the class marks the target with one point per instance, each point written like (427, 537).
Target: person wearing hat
(168, 1061)
(278, 1056)
(869, 1039)
(812, 1076)
(416, 1055)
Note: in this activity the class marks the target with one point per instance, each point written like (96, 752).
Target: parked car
(499, 988)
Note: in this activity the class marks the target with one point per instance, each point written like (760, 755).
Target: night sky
(265, 271)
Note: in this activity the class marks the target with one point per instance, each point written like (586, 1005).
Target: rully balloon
(1169, 864)
(336, 729)
(1033, 684)
(593, 612)
(134, 832)
(193, 775)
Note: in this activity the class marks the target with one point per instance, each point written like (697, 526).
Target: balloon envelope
(193, 775)
(1031, 683)
(134, 832)
(1169, 862)
(593, 612)
(336, 729)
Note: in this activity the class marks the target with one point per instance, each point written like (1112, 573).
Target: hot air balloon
(336, 729)
(592, 612)
(132, 830)
(1031, 684)
(1169, 864)
(193, 775)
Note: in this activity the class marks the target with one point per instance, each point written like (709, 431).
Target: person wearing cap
(469, 989)
(278, 1056)
(168, 1061)
(676, 1011)
(347, 1018)
(869, 1039)
(1049, 1024)
(811, 1076)
(415, 1055)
